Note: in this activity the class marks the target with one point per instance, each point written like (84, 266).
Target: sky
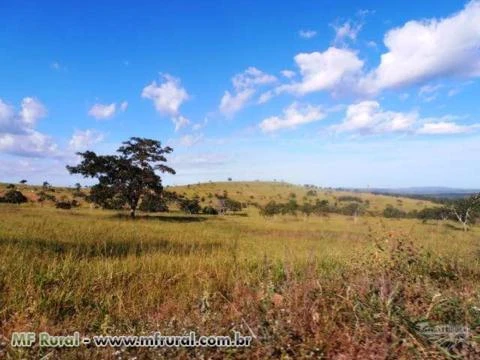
(332, 93)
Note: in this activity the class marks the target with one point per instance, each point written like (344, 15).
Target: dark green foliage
(349, 198)
(126, 177)
(311, 193)
(43, 196)
(13, 197)
(352, 209)
(393, 212)
(66, 205)
(436, 213)
(190, 206)
(153, 203)
(232, 205)
(272, 208)
(208, 210)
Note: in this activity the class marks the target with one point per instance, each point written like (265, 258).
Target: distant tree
(78, 186)
(46, 185)
(126, 176)
(393, 212)
(229, 179)
(23, 182)
(232, 205)
(190, 206)
(270, 209)
(307, 209)
(466, 210)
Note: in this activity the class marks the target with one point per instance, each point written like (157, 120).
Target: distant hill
(426, 191)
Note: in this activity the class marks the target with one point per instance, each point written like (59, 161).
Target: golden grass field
(317, 287)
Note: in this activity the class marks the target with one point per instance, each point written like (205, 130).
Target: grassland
(316, 287)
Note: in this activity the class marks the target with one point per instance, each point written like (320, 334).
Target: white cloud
(329, 70)
(245, 86)
(102, 111)
(180, 122)
(424, 50)
(429, 92)
(200, 125)
(190, 139)
(167, 96)
(307, 34)
(81, 140)
(293, 116)
(288, 73)
(251, 78)
(17, 130)
(123, 106)
(346, 31)
(265, 97)
(446, 127)
(31, 144)
(367, 117)
(231, 104)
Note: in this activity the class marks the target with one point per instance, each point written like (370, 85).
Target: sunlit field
(329, 286)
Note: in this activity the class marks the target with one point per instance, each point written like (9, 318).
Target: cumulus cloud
(17, 130)
(82, 139)
(307, 34)
(102, 111)
(424, 50)
(367, 117)
(328, 70)
(293, 116)
(168, 96)
(245, 86)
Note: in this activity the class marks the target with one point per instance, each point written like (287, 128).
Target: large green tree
(126, 177)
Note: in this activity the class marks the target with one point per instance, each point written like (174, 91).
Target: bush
(232, 205)
(352, 209)
(208, 210)
(393, 212)
(349, 198)
(153, 203)
(13, 197)
(43, 196)
(190, 206)
(65, 205)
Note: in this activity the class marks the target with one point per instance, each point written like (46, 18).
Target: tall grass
(317, 287)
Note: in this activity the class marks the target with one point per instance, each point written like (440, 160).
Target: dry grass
(307, 288)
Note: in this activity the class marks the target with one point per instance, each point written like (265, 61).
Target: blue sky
(344, 93)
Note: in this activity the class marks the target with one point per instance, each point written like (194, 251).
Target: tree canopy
(126, 177)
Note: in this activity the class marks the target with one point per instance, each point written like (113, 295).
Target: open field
(322, 286)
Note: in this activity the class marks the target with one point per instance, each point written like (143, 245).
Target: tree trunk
(132, 213)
